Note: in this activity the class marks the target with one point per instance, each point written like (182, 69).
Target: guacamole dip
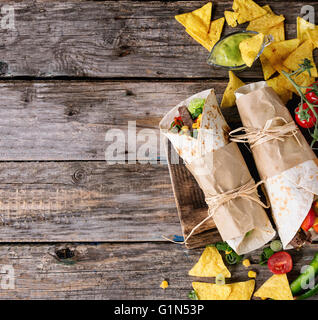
(227, 53)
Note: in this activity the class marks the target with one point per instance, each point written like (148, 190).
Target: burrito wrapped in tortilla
(199, 134)
(283, 157)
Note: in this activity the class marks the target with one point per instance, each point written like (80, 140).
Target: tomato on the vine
(312, 93)
(305, 117)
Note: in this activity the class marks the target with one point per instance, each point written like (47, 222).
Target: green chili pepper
(309, 293)
(305, 277)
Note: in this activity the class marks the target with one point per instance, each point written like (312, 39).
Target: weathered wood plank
(86, 201)
(59, 120)
(114, 39)
(116, 271)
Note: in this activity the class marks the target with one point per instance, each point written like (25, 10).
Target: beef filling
(186, 117)
(300, 239)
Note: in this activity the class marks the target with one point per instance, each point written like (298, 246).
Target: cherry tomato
(309, 220)
(312, 96)
(305, 118)
(280, 262)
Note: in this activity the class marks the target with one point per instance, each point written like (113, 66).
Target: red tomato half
(309, 220)
(280, 262)
(305, 118)
(312, 96)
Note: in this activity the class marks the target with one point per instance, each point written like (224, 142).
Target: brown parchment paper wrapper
(218, 166)
(290, 169)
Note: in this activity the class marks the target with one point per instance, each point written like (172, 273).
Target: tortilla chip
(231, 18)
(313, 35)
(228, 99)
(233, 291)
(242, 290)
(302, 27)
(248, 10)
(268, 9)
(209, 40)
(211, 291)
(305, 50)
(276, 287)
(210, 264)
(268, 70)
(277, 52)
(265, 23)
(216, 31)
(250, 48)
(197, 21)
(278, 32)
(279, 84)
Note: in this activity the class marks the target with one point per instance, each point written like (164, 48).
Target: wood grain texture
(86, 201)
(61, 120)
(117, 271)
(114, 39)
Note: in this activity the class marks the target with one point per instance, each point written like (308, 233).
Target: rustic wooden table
(73, 225)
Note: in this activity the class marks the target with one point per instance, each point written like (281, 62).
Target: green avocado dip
(227, 52)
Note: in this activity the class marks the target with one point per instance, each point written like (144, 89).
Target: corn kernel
(164, 284)
(251, 274)
(195, 125)
(246, 263)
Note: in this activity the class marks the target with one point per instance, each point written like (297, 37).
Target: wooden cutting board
(190, 202)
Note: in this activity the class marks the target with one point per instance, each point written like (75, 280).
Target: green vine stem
(306, 66)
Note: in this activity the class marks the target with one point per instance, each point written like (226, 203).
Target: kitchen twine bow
(258, 136)
(214, 202)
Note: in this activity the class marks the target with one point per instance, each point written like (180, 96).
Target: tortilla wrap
(219, 167)
(289, 167)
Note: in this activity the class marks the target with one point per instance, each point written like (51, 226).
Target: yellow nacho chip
(197, 21)
(231, 18)
(210, 264)
(242, 290)
(209, 40)
(313, 35)
(211, 291)
(280, 86)
(267, 68)
(276, 287)
(216, 30)
(303, 27)
(228, 99)
(268, 9)
(233, 291)
(278, 32)
(265, 23)
(305, 50)
(250, 48)
(277, 52)
(248, 10)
